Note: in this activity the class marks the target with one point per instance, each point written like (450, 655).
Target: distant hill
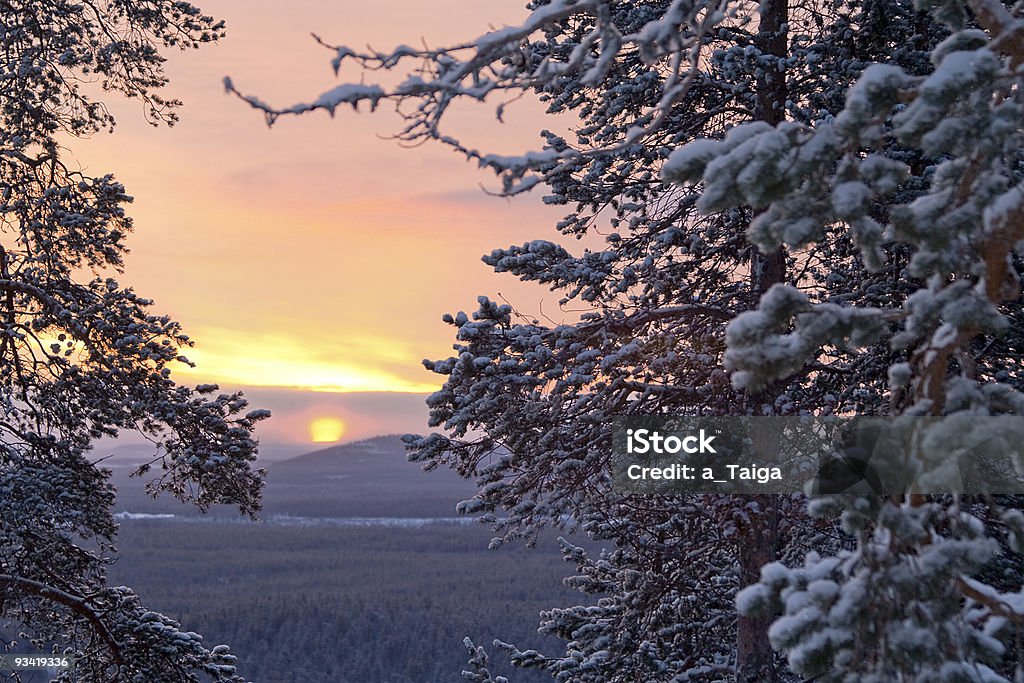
(366, 478)
(368, 457)
(369, 478)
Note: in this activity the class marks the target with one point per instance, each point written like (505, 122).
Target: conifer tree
(83, 357)
(919, 597)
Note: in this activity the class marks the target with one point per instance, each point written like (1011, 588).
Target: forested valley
(345, 579)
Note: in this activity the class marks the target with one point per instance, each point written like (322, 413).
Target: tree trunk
(755, 661)
(758, 544)
(769, 269)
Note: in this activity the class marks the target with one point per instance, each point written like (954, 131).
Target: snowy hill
(367, 478)
(370, 478)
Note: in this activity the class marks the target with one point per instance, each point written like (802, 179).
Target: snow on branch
(510, 60)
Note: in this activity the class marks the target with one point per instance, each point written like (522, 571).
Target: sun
(326, 429)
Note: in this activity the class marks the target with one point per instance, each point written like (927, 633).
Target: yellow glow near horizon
(231, 358)
(326, 429)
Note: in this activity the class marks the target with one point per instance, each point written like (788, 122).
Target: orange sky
(315, 259)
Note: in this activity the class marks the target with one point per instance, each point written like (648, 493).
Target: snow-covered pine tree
(693, 240)
(82, 357)
(921, 596)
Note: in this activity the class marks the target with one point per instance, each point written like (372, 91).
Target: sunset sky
(313, 261)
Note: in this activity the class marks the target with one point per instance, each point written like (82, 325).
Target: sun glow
(326, 429)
